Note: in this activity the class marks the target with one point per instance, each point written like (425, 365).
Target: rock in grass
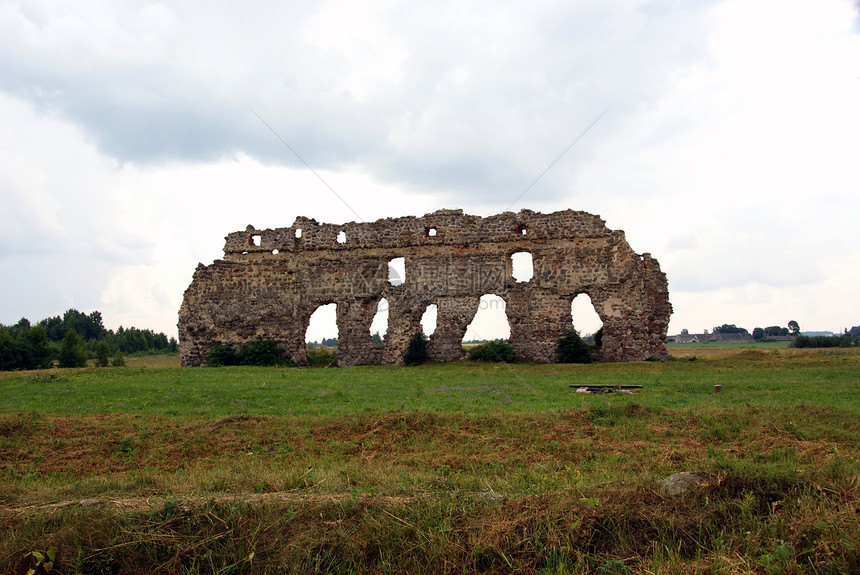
(679, 483)
(492, 496)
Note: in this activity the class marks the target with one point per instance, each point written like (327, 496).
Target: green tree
(102, 353)
(39, 348)
(72, 350)
(758, 333)
(118, 359)
(8, 350)
(794, 327)
(729, 328)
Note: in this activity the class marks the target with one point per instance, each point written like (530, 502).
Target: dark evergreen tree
(38, 348)
(416, 353)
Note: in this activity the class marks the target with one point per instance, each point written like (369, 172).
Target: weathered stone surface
(679, 483)
(271, 281)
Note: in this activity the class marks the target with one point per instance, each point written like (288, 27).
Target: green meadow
(455, 468)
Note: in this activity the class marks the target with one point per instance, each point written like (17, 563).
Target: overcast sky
(722, 136)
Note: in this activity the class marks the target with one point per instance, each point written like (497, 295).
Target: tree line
(73, 339)
(849, 337)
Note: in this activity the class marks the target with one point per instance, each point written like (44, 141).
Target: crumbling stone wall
(271, 281)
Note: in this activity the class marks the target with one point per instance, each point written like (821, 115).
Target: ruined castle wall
(271, 281)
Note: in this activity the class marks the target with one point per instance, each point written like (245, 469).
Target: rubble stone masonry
(271, 281)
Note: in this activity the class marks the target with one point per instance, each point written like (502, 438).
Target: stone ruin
(271, 281)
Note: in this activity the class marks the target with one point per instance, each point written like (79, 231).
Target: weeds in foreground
(558, 492)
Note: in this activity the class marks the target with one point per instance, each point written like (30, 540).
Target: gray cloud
(433, 97)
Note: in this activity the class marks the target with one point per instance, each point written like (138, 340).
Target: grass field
(457, 468)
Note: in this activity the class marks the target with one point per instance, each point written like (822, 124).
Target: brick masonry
(271, 281)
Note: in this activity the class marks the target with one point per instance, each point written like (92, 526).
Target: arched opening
(322, 326)
(254, 240)
(428, 320)
(490, 321)
(522, 267)
(431, 232)
(397, 271)
(298, 232)
(379, 325)
(341, 237)
(585, 318)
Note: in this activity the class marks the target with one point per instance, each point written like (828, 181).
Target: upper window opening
(522, 266)
(299, 233)
(341, 238)
(431, 232)
(275, 252)
(254, 240)
(397, 271)
(522, 229)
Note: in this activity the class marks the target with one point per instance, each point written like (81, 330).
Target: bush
(496, 351)
(261, 351)
(571, 349)
(416, 353)
(220, 355)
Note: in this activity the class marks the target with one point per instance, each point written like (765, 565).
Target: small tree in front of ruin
(416, 353)
(571, 349)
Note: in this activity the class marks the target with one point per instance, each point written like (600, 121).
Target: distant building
(723, 337)
(689, 338)
(711, 337)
